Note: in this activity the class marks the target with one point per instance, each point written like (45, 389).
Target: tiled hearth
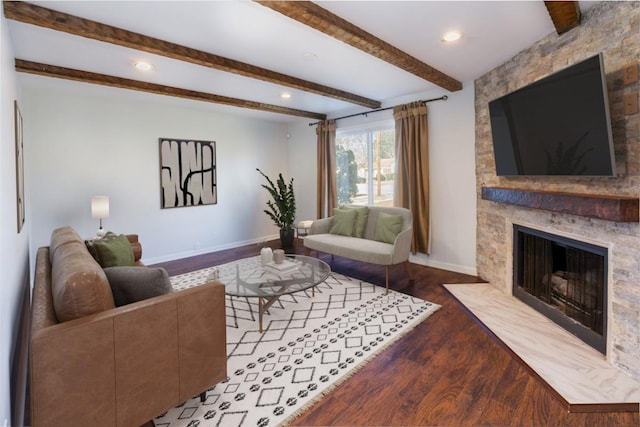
(579, 376)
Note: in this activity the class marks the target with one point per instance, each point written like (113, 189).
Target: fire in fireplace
(564, 279)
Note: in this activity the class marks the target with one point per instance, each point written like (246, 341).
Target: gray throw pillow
(132, 284)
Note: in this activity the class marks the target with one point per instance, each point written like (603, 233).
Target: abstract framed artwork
(19, 166)
(187, 173)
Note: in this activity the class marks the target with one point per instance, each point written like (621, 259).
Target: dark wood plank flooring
(445, 372)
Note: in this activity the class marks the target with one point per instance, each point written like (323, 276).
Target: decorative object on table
(19, 166)
(266, 256)
(285, 266)
(100, 210)
(309, 345)
(282, 209)
(187, 173)
(278, 256)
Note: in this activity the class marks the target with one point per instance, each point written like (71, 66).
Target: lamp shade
(100, 207)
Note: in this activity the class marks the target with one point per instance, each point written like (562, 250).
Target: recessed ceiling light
(285, 95)
(142, 66)
(451, 36)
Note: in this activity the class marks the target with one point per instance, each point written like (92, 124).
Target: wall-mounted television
(558, 125)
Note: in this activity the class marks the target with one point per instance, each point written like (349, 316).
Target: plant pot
(286, 237)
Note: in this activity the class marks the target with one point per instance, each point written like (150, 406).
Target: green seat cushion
(387, 227)
(113, 251)
(362, 213)
(133, 284)
(343, 222)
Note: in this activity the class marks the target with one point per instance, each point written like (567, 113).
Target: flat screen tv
(558, 125)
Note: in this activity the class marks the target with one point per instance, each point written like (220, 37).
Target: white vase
(266, 256)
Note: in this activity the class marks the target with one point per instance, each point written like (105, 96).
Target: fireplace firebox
(564, 279)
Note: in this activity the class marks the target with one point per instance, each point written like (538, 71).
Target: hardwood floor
(445, 372)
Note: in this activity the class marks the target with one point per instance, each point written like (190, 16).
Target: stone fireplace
(613, 29)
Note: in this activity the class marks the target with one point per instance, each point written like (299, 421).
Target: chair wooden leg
(203, 396)
(408, 270)
(386, 267)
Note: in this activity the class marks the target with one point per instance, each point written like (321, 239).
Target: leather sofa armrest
(77, 366)
(136, 246)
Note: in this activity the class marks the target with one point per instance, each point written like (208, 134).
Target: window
(365, 165)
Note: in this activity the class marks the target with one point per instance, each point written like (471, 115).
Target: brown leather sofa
(116, 366)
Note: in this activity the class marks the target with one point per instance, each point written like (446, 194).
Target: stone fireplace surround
(614, 29)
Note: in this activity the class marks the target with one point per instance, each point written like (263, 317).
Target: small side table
(302, 228)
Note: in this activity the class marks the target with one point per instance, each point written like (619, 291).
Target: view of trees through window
(365, 166)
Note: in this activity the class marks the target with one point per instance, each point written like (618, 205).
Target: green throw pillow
(362, 213)
(343, 222)
(114, 252)
(388, 227)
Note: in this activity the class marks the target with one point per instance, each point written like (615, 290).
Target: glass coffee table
(248, 278)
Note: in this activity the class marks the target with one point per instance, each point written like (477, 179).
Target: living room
(83, 140)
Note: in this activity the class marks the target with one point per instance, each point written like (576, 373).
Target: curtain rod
(424, 101)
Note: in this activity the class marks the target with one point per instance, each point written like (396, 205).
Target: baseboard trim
(422, 260)
(20, 402)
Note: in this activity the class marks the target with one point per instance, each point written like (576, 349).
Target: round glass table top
(247, 277)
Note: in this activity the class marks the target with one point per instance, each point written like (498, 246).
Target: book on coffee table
(284, 267)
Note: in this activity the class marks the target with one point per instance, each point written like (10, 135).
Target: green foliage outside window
(346, 175)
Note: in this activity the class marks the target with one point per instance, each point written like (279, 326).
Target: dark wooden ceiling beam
(314, 16)
(119, 82)
(564, 14)
(59, 21)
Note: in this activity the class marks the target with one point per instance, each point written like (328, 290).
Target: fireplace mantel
(610, 208)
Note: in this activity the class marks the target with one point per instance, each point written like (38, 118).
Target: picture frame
(19, 135)
(187, 173)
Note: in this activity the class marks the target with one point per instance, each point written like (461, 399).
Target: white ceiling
(492, 32)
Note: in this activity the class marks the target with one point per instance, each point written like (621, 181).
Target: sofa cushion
(351, 247)
(362, 213)
(343, 222)
(79, 286)
(132, 284)
(388, 227)
(113, 251)
(61, 236)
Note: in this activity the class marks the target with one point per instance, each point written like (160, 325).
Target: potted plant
(282, 207)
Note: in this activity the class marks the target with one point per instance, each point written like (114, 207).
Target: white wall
(303, 166)
(86, 145)
(452, 178)
(14, 254)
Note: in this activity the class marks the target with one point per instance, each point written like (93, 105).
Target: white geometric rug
(309, 345)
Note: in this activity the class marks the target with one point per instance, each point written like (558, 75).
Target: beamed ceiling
(329, 57)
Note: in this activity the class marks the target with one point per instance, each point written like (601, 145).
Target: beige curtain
(412, 175)
(327, 190)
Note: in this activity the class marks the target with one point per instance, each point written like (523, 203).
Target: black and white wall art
(187, 173)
